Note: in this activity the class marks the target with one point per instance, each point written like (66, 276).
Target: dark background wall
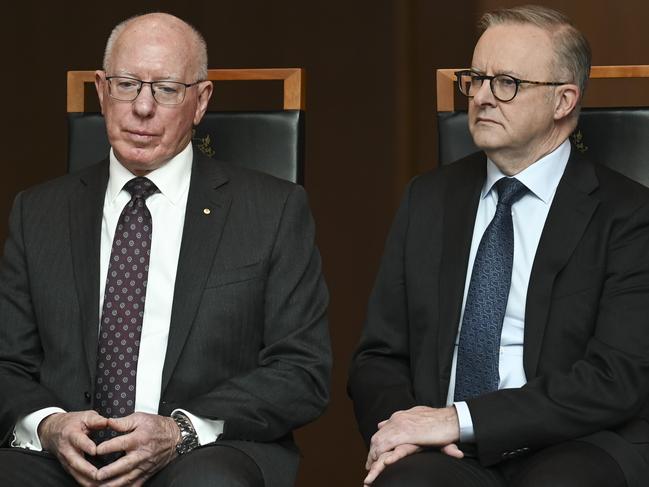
(371, 124)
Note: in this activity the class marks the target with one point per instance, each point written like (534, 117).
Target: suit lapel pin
(207, 211)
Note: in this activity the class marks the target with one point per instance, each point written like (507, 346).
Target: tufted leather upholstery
(267, 141)
(615, 137)
(271, 142)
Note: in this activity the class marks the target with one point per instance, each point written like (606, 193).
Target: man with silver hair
(162, 315)
(506, 337)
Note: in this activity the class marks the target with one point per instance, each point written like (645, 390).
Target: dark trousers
(570, 464)
(208, 466)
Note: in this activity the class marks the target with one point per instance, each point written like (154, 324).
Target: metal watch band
(188, 437)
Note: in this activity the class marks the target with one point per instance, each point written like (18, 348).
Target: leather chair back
(268, 141)
(615, 137)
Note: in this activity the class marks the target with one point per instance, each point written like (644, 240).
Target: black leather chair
(268, 141)
(616, 137)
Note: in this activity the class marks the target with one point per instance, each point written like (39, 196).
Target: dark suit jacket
(248, 340)
(586, 348)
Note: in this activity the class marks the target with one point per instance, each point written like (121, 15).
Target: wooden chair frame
(446, 81)
(293, 78)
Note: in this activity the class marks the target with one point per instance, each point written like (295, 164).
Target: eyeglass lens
(164, 92)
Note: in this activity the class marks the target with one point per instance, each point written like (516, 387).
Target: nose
(484, 96)
(144, 105)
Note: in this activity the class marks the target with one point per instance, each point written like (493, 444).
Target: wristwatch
(188, 437)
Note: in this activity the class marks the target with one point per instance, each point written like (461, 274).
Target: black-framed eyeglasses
(503, 86)
(124, 88)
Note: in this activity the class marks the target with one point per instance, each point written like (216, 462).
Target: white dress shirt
(168, 216)
(528, 216)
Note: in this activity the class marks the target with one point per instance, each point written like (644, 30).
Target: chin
(485, 140)
(137, 160)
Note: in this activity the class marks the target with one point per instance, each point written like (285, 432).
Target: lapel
(86, 208)
(201, 235)
(571, 210)
(460, 207)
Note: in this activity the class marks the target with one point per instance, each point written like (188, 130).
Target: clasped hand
(148, 441)
(406, 432)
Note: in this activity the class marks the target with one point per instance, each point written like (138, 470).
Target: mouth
(140, 135)
(487, 121)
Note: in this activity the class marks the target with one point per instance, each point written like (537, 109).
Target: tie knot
(510, 190)
(140, 188)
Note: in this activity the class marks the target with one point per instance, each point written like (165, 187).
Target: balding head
(160, 25)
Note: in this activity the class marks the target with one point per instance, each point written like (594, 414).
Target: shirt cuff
(207, 430)
(467, 435)
(26, 429)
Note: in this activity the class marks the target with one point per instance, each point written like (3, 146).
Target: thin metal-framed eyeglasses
(125, 88)
(503, 86)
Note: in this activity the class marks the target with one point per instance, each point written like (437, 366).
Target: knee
(207, 467)
(213, 478)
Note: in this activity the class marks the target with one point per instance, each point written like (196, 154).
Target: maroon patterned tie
(123, 308)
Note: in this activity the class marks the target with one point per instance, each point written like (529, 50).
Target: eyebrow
(168, 77)
(497, 72)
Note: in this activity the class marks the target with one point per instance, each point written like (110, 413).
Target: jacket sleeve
(21, 351)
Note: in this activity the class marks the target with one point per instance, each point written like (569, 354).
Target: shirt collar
(172, 178)
(541, 178)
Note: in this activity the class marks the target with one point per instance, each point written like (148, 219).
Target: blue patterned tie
(486, 301)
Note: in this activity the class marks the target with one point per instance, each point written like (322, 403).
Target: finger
(121, 468)
(122, 425)
(452, 451)
(377, 468)
(382, 423)
(400, 452)
(81, 442)
(368, 462)
(382, 444)
(93, 421)
(117, 444)
(78, 466)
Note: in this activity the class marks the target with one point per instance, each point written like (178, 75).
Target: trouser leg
(26, 468)
(210, 466)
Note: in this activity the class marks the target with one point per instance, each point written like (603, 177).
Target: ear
(100, 86)
(566, 99)
(205, 89)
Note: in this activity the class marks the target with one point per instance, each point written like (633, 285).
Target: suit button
(87, 396)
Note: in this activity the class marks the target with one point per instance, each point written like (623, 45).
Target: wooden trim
(639, 71)
(446, 89)
(76, 89)
(446, 81)
(294, 84)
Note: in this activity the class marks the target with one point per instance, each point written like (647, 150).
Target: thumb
(452, 451)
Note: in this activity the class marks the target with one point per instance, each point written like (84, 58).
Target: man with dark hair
(159, 301)
(506, 338)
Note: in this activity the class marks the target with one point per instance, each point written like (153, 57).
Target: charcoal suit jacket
(586, 338)
(248, 339)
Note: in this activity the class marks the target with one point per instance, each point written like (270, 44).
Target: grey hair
(200, 46)
(573, 55)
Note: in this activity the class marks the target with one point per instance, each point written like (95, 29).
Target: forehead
(518, 49)
(152, 49)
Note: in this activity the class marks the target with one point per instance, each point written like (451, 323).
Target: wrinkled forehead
(522, 50)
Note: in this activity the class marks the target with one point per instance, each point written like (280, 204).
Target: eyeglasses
(503, 86)
(123, 88)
